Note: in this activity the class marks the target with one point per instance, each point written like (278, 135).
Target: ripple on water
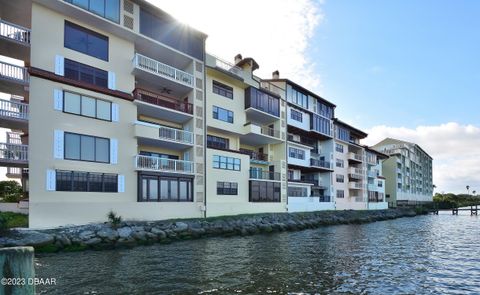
(421, 255)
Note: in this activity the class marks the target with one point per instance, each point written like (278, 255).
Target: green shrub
(3, 224)
(114, 219)
(10, 191)
(10, 219)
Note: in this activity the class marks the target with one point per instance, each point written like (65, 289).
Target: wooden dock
(473, 210)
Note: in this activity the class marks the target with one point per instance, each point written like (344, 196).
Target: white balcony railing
(163, 70)
(14, 32)
(226, 66)
(354, 156)
(270, 132)
(14, 152)
(149, 163)
(13, 72)
(372, 173)
(372, 187)
(355, 185)
(13, 109)
(171, 134)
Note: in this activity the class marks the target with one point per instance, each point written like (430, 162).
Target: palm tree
(468, 189)
(474, 192)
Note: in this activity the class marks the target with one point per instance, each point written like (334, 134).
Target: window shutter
(59, 65)
(115, 112)
(58, 144)
(121, 183)
(111, 81)
(113, 151)
(51, 180)
(58, 99)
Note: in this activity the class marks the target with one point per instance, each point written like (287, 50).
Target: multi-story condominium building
(375, 179)
(119, 108)
(350, 167)
(408, 172)
(246, 132)
(309, 146)
(112, 115)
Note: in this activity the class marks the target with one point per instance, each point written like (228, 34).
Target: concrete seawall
(132, 233)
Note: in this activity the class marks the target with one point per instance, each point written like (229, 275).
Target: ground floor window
(227, 188)
(79, 181)
(297, 191)
(264, 191)
(159, 188)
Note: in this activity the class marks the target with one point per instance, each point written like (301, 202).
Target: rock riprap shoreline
(133, 233)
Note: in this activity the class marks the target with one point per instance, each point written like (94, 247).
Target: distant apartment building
(109, 107)
(118, 107)
(408, 172)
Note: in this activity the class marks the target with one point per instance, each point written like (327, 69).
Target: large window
(339, 147)
(264, 191)
(222, 114)
(324, 110)
(262, 101)
(85, 41)
(86, 148)
(155, 188)
(321, 125)
(217, 142)
(297, 191)
(87, 106)
(340, 163)
(76, 181)
(164, 29)
(340, 178)
(222, 89)
(297, 97)
(87, 74)
(227, 188)
(226, 163)
(340, 194)
(296, 153)
(343, 134)
(109, 9)
(296, 115)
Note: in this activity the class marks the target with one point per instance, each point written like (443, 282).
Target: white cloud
(454, 148)
(275, 33)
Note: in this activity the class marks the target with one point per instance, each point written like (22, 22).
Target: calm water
(421, 255)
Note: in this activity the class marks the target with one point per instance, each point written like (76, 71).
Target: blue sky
(400, 63)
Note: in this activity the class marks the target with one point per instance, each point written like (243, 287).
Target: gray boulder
(124, 232)
(86, 235)
(93, 241)
(180, 227)
(108, 234)
(29, 238)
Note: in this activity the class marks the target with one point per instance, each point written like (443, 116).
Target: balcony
(157, 164)
(13, 79)
(372, 187)
(305, 180)
(372, 174)
(228, 67)
(17, 39)
(13, 114)
(163, 107)
(355, 174)
(320, 164)
(353, 157)
(355, 185)
(324, 199)
(264, 175)
(261, 107)
(13, 155)
(255, 157)
(162, 136)
(259, 135)
(160, 74)
(301, 140)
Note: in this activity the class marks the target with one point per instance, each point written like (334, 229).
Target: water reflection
(422, 255)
